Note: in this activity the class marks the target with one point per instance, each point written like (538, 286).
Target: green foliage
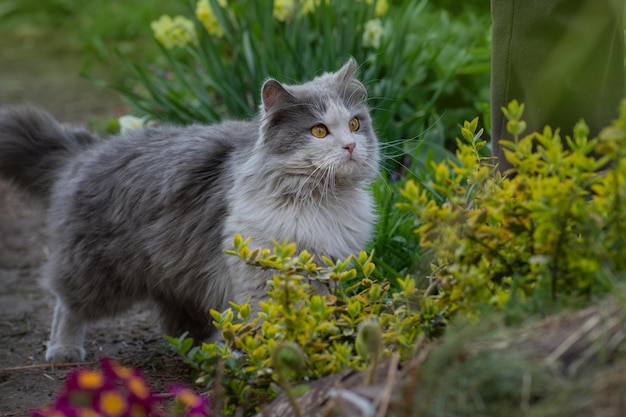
(411, 56)
(324, 327)
(549, 233)
(552, 231)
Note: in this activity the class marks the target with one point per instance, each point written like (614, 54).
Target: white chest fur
(333, 225)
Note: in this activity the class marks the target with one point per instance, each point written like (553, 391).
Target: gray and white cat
(148, 214)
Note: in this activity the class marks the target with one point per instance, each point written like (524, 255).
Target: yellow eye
(354, 124)
(319, 131)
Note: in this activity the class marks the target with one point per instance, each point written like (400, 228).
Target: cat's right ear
(273, 93)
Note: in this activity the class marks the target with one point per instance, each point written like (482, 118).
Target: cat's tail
(34, 146)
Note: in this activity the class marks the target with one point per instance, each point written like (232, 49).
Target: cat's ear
(348, 71)
(346, 77)
(273, 93)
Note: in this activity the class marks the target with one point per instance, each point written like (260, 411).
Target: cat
(149, 213)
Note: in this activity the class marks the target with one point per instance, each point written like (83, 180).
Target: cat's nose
(350, 147)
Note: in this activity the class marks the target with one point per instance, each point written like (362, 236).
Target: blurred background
(48, 49)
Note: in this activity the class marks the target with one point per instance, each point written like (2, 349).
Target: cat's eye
(319, 131)
(354, 124)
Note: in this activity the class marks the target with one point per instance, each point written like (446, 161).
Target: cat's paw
(65, 353)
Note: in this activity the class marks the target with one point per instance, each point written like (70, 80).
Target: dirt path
(37, 69)
(31, 71)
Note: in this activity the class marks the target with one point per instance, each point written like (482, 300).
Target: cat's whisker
(407, 169)
(315, 170)
(324, 179)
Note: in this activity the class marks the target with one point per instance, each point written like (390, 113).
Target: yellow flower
(309, 6)
(138, 387)
(160, 28)
(372, 33)
(188, 398)
(174, 32)
(381, 7)
(283, 9)
(122, 371)
(204, 13)
(90, 380)
(112, 404)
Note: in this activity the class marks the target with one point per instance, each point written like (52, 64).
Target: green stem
(284, 384)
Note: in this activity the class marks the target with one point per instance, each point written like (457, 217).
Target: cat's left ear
(273, 93)
(348, 71)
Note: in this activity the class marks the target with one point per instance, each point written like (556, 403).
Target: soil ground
(31, 70)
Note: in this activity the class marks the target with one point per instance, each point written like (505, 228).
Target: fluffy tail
(34, 146)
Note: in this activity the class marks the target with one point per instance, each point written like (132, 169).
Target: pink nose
(350, 147)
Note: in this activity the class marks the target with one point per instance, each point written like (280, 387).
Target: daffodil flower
(128, 122)
(206, 15)
(372, 33)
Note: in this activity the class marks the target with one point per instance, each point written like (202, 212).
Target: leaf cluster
(550, 231)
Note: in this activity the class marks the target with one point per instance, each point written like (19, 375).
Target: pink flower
(118, 391)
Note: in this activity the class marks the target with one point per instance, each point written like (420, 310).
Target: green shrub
(325, 327)
(548, 234)
(551, 232)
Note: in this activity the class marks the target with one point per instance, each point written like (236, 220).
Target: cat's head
(321, 129)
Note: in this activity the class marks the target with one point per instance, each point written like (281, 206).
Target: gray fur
(148, 214)
(34, 147)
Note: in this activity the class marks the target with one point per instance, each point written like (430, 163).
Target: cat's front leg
(67, 336)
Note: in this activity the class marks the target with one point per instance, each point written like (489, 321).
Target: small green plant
(324, 327)
(288, 359)
(368, 345)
